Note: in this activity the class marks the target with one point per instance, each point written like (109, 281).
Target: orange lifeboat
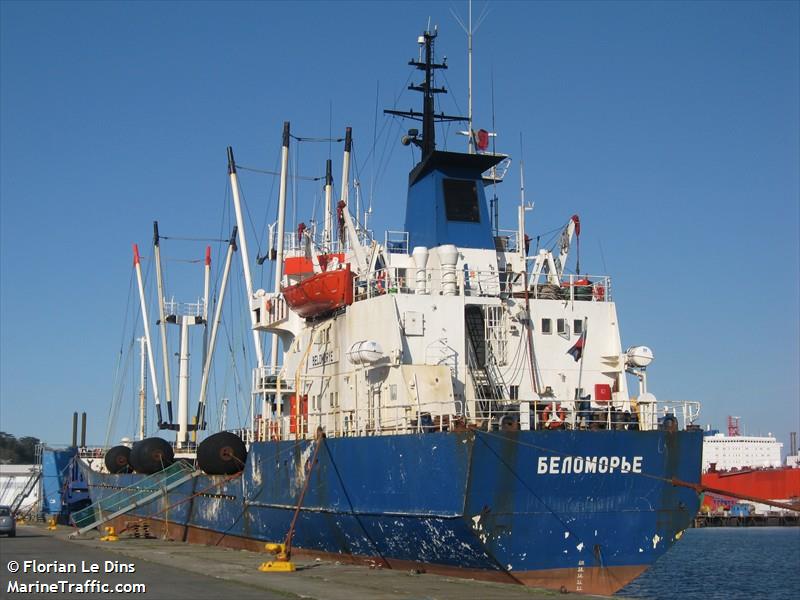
(321, 293)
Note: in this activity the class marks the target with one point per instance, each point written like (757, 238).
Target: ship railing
(93, 452)
(246, 434)
(189, 309)
(552, 413)
(293, 244)
(373, 419)
(265, 380)
(396, 280)
(269, 309)
(480, 283)
(575, 288)
(484, 415)
(390, 280)
(395, 242)
(472, 282)
(507, 240)
(498, 172)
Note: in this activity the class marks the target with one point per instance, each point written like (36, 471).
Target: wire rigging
(193, 239)
(277, 173)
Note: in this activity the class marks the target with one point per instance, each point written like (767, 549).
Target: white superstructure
(740, 451)
(456, 337)
(446, 325)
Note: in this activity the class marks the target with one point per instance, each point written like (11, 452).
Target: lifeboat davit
(321, 293)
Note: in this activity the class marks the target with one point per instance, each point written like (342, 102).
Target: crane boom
(573, 228)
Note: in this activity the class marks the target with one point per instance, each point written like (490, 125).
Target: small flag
(576, 351)
(482, 141)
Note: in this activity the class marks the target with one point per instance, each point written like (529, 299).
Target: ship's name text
(555, 465)
(323, 358)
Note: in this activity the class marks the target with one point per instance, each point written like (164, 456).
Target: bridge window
(461, 200)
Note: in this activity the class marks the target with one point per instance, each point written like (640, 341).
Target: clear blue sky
(671, 128)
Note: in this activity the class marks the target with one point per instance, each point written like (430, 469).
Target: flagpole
(580, 369)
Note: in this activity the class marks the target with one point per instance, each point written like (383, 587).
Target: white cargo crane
(545, 262)
(573, 228)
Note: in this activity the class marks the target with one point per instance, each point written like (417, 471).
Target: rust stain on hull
(588, 580)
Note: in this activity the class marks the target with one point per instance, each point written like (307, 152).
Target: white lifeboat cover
(365, 352)
(639, 356)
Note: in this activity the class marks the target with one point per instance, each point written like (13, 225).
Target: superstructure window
(577, 326)
(561, 326)
(547, 326)
(461, 200)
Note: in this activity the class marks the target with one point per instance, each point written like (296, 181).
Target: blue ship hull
(584, 510)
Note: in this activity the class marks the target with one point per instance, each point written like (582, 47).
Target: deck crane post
(162, 322)
(153, 382)
(214, 328)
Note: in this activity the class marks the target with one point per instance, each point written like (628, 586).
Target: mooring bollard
(111, 535)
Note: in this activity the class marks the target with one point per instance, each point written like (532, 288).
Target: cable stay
(194, 239)
(277, 173)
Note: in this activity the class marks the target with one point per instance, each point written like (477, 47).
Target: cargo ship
(446, 399)
(748, 466)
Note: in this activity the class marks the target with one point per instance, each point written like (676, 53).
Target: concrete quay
(176, 570)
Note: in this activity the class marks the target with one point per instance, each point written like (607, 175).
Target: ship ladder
(125, 500)
(487, 381)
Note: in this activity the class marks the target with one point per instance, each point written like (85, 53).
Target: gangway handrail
(26, 490)
(126, 499)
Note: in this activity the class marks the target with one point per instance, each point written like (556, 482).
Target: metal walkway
(143, 491)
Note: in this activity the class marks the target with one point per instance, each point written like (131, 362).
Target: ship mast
(200, 419)
(142, 387)
(281, 241)
(162, 321)
(471, 145)
(428, 115)
(237, 205)
(469, 30)
(153, 381)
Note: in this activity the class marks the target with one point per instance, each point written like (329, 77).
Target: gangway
(26, 491)
(140, 493)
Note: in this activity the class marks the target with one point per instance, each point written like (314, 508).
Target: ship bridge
(447, 201)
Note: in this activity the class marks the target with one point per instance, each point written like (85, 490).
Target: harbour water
(725, 563)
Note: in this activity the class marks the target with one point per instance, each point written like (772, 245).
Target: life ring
(553, 416)
(380, 281)
(268, 305)
(599, 292)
